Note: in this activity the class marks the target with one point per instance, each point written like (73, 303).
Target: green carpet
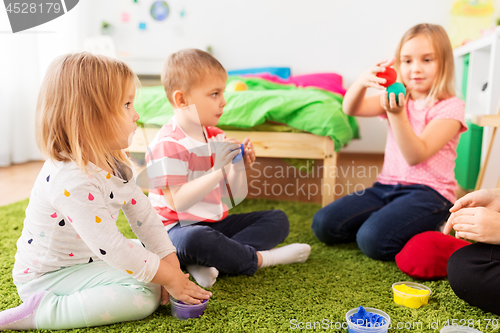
(334, 280)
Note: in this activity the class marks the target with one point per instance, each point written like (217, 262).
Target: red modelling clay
(389, 74)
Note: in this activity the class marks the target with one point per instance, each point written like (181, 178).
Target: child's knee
(376, 247)
(320, 219)
(280, 216)
(199, 238)
(327, 229)
(281, 222)
(318, 227)
(147, 299)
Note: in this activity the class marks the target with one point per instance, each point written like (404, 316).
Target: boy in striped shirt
(191, 170)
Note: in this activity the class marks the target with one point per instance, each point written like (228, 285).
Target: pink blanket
(327, 81)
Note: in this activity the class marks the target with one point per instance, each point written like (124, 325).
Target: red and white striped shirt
(174, 158)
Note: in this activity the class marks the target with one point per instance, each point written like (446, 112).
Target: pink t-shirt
(438, 171)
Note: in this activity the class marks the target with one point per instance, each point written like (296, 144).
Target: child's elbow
(180, 208)
(419, 156)
(415, 160)
(347, 109)
(349, 112)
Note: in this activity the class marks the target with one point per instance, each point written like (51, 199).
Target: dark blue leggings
(230, 245)
(382, 218)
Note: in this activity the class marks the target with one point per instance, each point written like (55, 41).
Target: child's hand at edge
(477, 224)
(483, 198)
(369, 79)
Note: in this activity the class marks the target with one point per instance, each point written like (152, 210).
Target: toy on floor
(410, 294)
(425, 256)
(236, 85)
(367, 320)
(392, 86)
(184, 311)
(238, 157)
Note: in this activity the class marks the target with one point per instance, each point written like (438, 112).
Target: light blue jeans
(91, 294)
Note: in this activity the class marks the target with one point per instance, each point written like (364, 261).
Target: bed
(282, 120)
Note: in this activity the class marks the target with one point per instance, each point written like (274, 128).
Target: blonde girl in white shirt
(73, 266)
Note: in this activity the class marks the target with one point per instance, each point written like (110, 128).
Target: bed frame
(275, 145)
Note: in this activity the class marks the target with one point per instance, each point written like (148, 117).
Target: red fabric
(390, 75)
(426, 255)
(327, 81)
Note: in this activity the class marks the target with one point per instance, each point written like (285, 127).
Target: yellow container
(468, 19)
(410, 294)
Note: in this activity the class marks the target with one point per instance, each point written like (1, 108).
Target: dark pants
(474, 275)
(230, 245)
(382, 219)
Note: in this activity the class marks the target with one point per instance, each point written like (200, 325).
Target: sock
(22, 317)
(205, 276)
(289, 254)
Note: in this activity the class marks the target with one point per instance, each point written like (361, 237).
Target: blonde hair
(444, 82)
(79, 109)
(184, 69)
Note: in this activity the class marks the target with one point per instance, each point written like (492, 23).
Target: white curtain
(24, 57)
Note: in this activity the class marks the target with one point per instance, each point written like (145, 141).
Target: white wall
(24, 58)
(343, 36)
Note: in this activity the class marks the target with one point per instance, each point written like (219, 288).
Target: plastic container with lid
(458, 329)
(410, 294)
(359, 328)
(184, 311)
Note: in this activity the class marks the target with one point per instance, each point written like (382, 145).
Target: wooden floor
(17, 181)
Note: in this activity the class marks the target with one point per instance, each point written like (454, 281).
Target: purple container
(184, 311)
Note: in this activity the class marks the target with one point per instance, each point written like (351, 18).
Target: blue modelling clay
(238, 157)
(367, 319)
